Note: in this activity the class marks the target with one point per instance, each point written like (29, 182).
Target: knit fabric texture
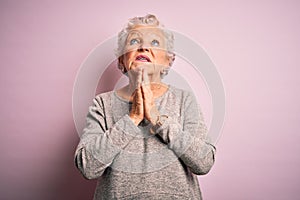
(131, 163)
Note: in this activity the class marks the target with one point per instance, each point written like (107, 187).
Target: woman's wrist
(154, 118)
(154, 114)
(135, 119)
(159, 122)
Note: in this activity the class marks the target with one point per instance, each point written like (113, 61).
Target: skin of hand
(135, 77)
(137, 109)
(143, 105)
(150, 111)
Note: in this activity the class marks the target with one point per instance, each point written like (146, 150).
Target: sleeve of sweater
(189, 139)
(98, 144)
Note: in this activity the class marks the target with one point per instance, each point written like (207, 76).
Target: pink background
(254, 44)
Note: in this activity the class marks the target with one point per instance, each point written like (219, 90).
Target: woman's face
(145, 46)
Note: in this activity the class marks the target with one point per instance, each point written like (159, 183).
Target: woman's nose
(143, 48)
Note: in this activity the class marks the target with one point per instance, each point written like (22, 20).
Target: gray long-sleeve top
(131, 163)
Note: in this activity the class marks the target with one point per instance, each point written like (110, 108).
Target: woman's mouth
(142, 58)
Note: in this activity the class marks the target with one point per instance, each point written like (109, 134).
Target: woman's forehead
(146, 31)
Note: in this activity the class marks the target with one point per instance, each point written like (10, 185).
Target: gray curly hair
(149, 20)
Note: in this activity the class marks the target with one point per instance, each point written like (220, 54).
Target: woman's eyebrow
(133, 35)
(156, 35)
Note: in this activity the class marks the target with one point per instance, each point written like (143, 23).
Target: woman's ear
(120, 61)
(121, 65)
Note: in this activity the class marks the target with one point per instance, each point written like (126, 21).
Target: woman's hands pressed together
(143, 106)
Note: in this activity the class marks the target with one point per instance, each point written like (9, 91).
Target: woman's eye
(134, 41)
(155, 43)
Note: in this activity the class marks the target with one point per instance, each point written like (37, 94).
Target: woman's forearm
(194, 151)
(98, 145)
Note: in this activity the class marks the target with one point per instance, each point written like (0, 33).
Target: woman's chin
(144, 64)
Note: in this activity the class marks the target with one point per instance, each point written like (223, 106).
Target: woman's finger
(145, 77)
(139, 95)
(136, 77)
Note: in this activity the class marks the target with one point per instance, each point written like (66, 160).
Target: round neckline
(158, 98)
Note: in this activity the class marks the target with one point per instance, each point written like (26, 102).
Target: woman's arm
(100, 144)
(189, 140)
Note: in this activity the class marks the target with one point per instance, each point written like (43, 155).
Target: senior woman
(146, 140)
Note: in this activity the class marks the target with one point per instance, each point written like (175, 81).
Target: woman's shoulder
(101, 98)
(105, 94)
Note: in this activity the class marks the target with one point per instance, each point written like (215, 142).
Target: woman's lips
(142, 58)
